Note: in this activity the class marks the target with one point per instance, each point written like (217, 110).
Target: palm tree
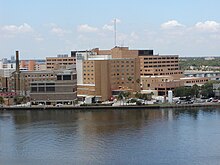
(120, 96)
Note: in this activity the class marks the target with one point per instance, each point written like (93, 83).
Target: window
(41, 89)
(52, 84)
(33, 89)
(66, 77)
(50, 89)
(59, 77)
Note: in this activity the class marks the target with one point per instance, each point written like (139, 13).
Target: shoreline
(124, 107)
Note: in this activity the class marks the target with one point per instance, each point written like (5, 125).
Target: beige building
(190, 81)
(158, 72)
(150, 64)
(61, 90)
(162, 84)
(32, 65)
(60, 62)
(105, 78)
(28, 77)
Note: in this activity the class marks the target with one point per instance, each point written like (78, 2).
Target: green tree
(195, 90)
(207, 89)
(139, 95)
(126, 94)
(182, 91)
(121, 97)
(1, 100)
(20, 99)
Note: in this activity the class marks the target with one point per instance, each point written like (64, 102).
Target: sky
(46, 28)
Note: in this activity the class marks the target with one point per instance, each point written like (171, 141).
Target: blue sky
(41, 28)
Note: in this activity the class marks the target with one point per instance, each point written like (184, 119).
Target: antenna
(115, 32)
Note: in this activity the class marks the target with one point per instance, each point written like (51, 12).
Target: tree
(127, 94)
(207, 89)
(182, 91)
(120, 96)
(19, 99)
(1, 100)
(195, 90)
(138, 95)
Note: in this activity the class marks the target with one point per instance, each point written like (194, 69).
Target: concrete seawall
(127, 107)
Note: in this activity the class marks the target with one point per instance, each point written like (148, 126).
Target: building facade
(105, 78)
(61, 90)
(162, 84)
(152, 67)
(60, 62)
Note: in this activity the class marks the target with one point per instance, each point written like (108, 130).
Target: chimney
(17, 74)
(17, 62)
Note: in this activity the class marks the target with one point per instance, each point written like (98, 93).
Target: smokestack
(17, 74)
(17, 62)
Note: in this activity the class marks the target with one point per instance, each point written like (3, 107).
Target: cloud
(108, 27)
(208, 26)
(171, 25)
(25, 28)
(87, 29)
(58, 31)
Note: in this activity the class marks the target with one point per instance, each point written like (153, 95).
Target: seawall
(125, 107)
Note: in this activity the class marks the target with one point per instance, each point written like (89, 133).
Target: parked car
(59, 105)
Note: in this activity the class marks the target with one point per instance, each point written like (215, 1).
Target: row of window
(60, 63)
(121, 66)
(128, 82)
(196, 81)
(122, 74)
(160, 58)
(154, 62)
(43, 89)
(42, 84)
(155, 74)
(66, 77)
(40, 75)
(173, 68)
(122, 61)
(151, 66)
(61, 59)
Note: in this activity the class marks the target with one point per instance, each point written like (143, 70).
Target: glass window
(66, 77)
(41, 89)
(59, 77)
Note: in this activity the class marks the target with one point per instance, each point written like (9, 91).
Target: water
(110, 137)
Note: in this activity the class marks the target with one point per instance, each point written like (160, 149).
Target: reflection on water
(110, 137)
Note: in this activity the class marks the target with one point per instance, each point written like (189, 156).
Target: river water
(169, 136)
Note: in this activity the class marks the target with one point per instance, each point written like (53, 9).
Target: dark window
(41, 89)
(59, 77)
(66, 77)
(50, 84)
(145, 52)
(50, 89)
(33, 89)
